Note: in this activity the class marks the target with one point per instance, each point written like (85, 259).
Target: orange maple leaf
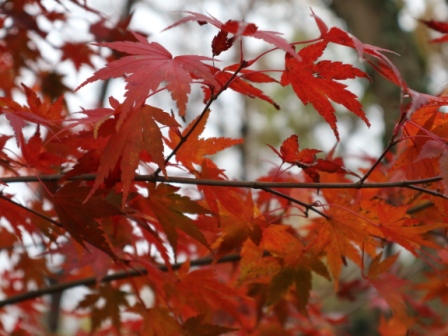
(194, 149)
(397, 226)
(237, 227)
(340, 233)
(170, 208)
(387, 284)
(191, 299)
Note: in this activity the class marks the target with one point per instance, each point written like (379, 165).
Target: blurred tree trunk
(376, 22)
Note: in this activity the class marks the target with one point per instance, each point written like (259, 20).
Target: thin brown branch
(60, 287)
(38, 214)
(427, 191)
(238, 184)
(419, 207)
(391, 143)
(293, 200)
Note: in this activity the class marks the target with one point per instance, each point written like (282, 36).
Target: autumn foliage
(126, 198)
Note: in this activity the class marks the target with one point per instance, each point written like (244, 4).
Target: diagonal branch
(293, 200)
(38, 214)
(213, 97)
(60, 287)
(391, 143)
(427, 191)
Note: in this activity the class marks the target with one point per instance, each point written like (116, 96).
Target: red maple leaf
(78, 53)
(148, 65)
(79, 217)
(221, 42)
(138, 133)
(316, 83)
(35, 155)
(439, 26)
(379, 62)
(239, 83)
(238, 29)
(170, 209)
(306, 159)
(36, 112)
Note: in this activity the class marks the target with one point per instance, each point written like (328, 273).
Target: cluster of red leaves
(258, 248)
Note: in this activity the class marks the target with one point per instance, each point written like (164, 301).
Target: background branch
(60, 287)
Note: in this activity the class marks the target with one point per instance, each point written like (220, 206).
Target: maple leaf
(148, 65)
(79, 53)
(338, 235)
(439, 26)
(284, 279)
(237, 227)
(170, 209)
(290, 153)
(255, 266)
(306, 159)
(435, 150)
(387, 284)
(138, 133)
(33, 269)
(221, 42)
(380, 62)
(36, 112)
(212, 295)
(194, 149)
(103, 31)
(434, 285)
(393, 326)
(238, 29)
(79, 217)
(233, 200)
(35, 156)
(315, 83)
(400, 228)
(113, 300)
(300, 276)
(239, 84)
(82, 261)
